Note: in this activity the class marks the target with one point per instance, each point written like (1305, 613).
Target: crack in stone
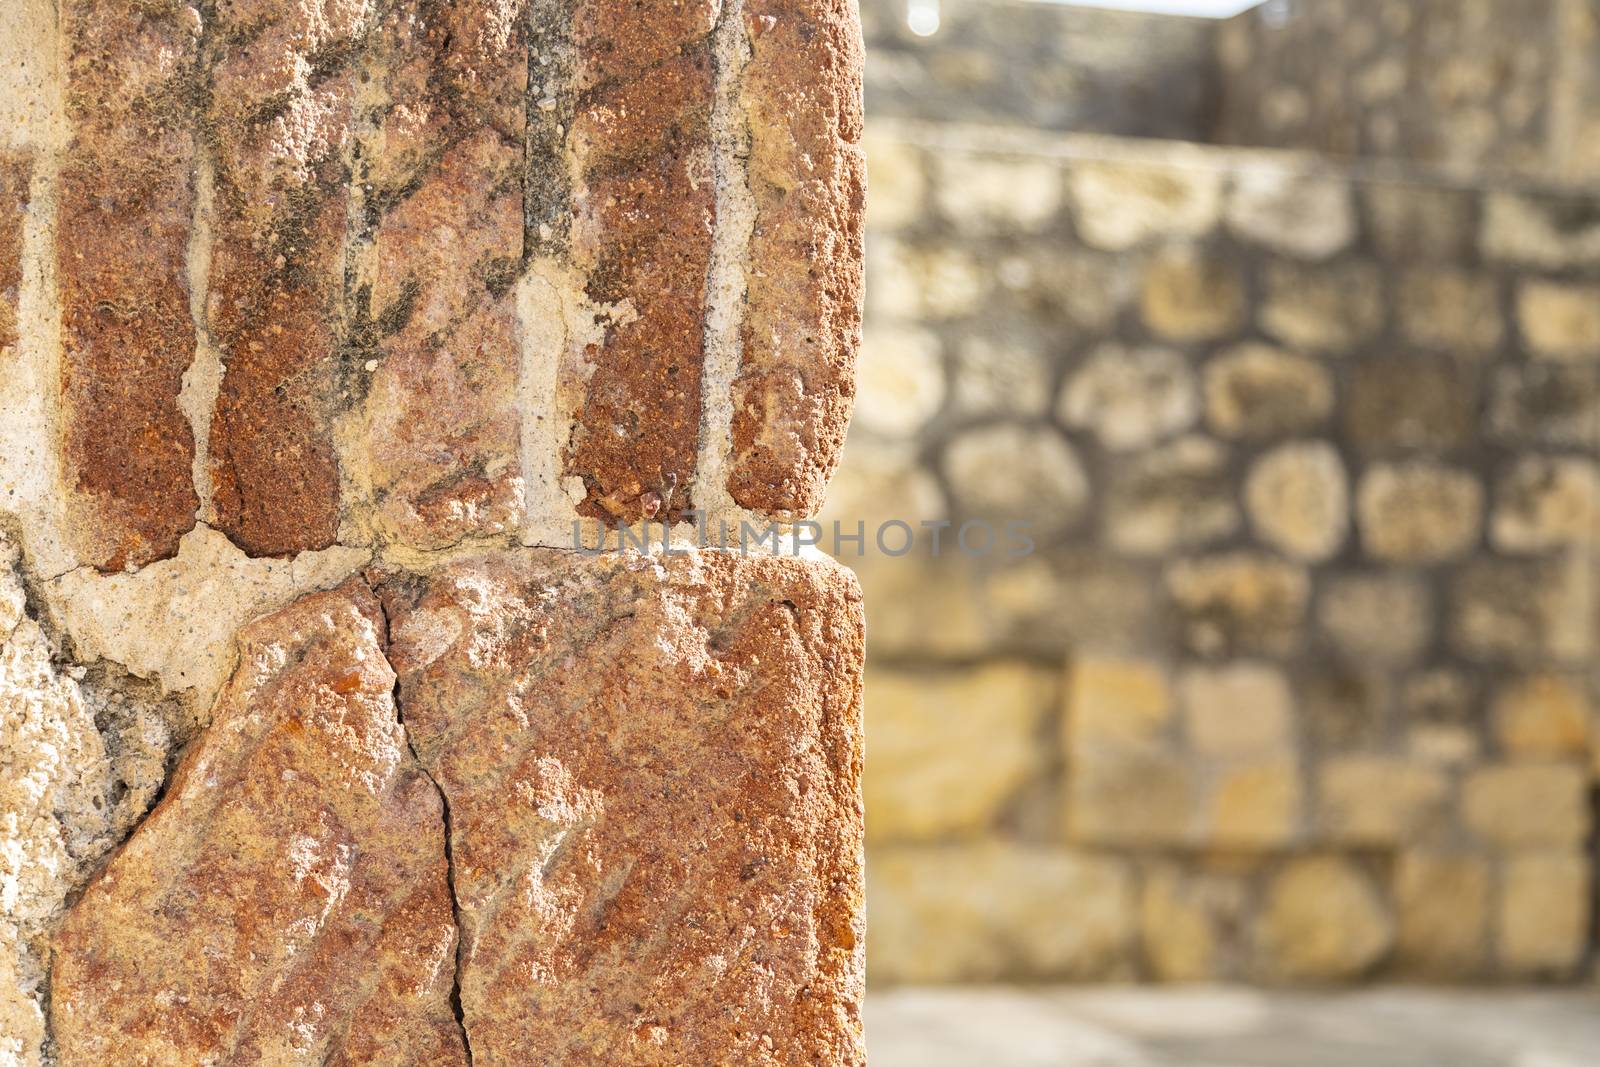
(456, 1008)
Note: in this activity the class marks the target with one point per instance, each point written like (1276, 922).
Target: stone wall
(328, 334)
(1299, 682)
(1048, 66)
(1508, 85)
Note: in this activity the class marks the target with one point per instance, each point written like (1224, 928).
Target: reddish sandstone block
(641, 234)
(15, 169)
(288, 899)
(444, 428)
(282, 87)
(801, 95)
(652, 768)
(123, 229)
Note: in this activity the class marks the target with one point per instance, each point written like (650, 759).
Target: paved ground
(1232, 1028)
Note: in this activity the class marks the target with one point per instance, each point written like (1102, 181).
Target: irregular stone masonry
(312, 227)
(645, 775)
(324, 328)
(1312, 462)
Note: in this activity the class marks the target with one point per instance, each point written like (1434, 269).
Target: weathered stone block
(1560, 321)
(126, 201)
(1376, 616)
(1450, 311)
(995, 910)
(1543, 716)
(1131, 398)
(438, 340)
(1169, 498)
(1546, 899)
(1525, 611)
(1239, 603)
(1189, 297)
(1299, 500)
(1255, 805)
(1324, 920)
(923, 781)
(1411, 403)
(801, 95)
(1000, 473)
(990, 193)
(1380, 801)
(1238, 710)
(1546, 403)
(652, 771)
(275, 303)
(1257, 391)
(1304, 215)
(1330, 308)
(1121, 205)
(1418, 512)
(1547, 502)
(1517, 805)
(289, 899)
(1442, 903)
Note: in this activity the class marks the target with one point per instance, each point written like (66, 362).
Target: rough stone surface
(15, 170)
(652, 769)
(1333, 307)
(644, 206)
(288, 900)
(274, 303)
(801, 95)
(440, 318)
(122, 235)
(80, 768)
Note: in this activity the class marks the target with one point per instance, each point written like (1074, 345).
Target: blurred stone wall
(1299, 683)
(1043, 65)
(1499, 84)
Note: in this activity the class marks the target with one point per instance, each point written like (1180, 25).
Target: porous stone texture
(288, 900)
(1313, 524)
(304, 303)
(436, 334)
(123, 227)
(800, 95)
(652, 769)
(81, 765)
